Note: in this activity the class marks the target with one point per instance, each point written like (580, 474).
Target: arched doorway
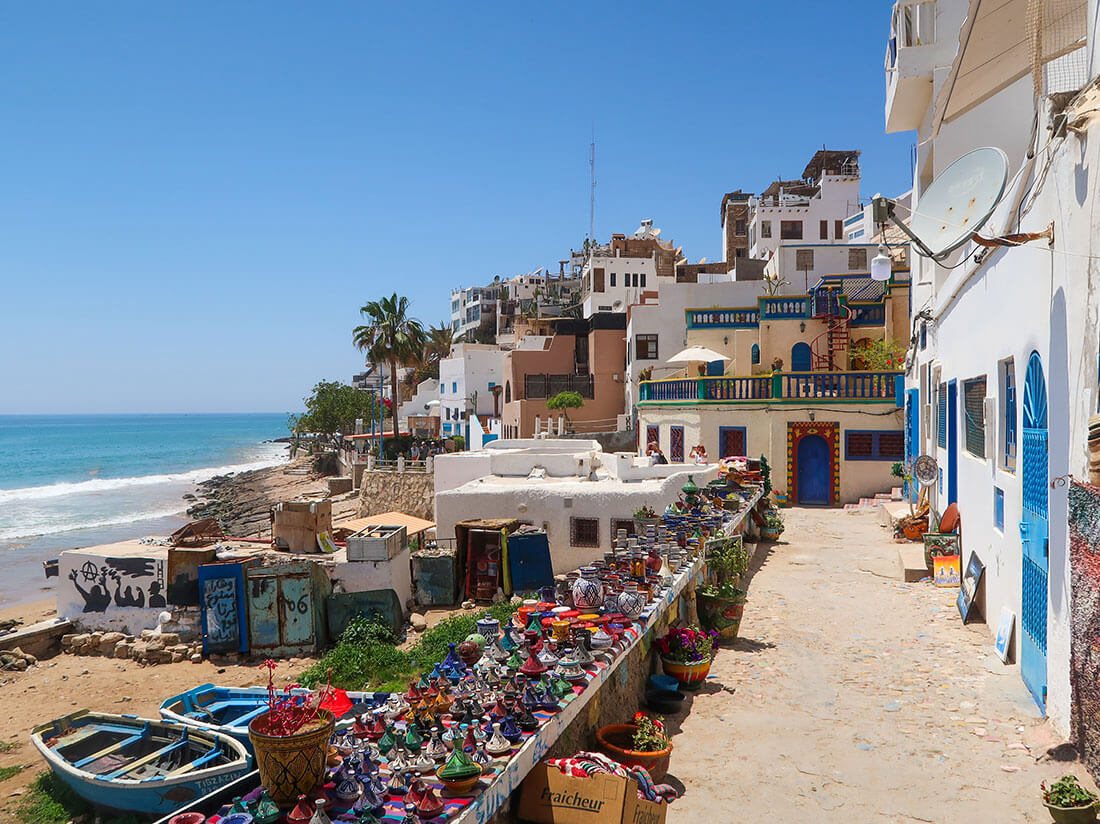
(814, 468)
(1034, 532)
(800, 357)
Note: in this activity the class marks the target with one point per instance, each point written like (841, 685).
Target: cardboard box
(549, 797)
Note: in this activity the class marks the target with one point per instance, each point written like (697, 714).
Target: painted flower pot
(723, 615)
(1072, 815)
(690, 676)
(768, 534)
(292, 765)
(616, 740)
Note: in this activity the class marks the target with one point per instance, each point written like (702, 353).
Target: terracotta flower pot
(292, 765)
(690, 676)
(616, 740)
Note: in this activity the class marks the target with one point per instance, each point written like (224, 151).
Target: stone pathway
(854, 697)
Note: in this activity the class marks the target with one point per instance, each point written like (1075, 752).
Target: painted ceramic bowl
(459, 786)
(187, 818)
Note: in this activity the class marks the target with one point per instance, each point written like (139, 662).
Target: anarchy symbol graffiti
(90, 571)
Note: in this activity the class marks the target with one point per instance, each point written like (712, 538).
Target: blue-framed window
(941, 416)
(924, 336)
(755, 353)
(874, 445)
(999, 508)
(1009, 383)
(454, 387)
(732, 440)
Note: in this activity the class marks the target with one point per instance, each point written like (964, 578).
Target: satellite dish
(656, 232)
(702, 260)
(617, 305)
(926, 470)
(960, 200)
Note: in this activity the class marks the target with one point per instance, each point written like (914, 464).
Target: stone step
(911, 562)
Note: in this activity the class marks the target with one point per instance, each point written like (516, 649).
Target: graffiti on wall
(119, 582)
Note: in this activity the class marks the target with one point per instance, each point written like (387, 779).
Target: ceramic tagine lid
(458, 767)
(302, 812)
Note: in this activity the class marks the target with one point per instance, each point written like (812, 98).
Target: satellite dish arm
(882, 209)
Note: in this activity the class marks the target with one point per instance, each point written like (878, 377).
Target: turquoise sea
(79, 480)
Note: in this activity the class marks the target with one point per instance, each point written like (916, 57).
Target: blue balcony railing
(784, 307)
(777, 387)
(722, 318)
(869, 315)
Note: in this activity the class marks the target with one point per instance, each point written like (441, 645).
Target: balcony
(780, 387)
(540, 387)
(910, 61)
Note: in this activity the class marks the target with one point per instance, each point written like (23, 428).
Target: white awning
(698, 353)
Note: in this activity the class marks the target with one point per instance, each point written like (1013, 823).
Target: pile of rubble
(151, 648)
(16, 659)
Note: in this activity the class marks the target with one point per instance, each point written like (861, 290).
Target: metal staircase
(829, 349)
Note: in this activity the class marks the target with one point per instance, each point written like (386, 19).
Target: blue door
(952, 442)
(800, 357)
(814, 471)
(1034, 534)
(912, 435)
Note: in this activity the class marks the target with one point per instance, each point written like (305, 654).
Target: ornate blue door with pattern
(1034, 533)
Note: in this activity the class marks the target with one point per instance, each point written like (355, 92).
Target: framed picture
(968, 588)
(946, 570)
(1004, 633)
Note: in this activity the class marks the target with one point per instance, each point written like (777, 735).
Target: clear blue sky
(197, 197)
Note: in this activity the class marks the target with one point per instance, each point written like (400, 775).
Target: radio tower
(592, 192)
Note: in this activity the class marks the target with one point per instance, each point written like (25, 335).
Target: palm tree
(439, 341)
(392, 337)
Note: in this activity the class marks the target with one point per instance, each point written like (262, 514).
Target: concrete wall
(766, 434)
(94, 590)
(408, 492)
(364, 576)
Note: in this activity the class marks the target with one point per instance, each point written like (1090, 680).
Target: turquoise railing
(784, 307)
(780, 386)
(722, 318)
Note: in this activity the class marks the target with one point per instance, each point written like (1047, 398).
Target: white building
(812, 209)
(613, 283)
(466, 381)
(1003, 373)
(469, 305)
(578, 494)
(420, 403)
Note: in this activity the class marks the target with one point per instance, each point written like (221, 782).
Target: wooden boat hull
(229, 710)
(131, 764)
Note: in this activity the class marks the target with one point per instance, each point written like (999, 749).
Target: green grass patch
(8, 772)
(51, 802)
(7, 746)
(365, 659)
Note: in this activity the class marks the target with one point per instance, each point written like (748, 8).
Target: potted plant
(643, 743)
(773, 527)
(291, 740)
(686, 655)
(643, 517)
(1069, 802)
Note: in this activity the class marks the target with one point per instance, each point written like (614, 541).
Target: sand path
(855, 697)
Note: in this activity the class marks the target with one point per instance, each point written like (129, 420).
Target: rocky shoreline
(241, 502)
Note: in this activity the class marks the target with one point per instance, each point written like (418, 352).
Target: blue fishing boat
(130, 764)
(229, 710)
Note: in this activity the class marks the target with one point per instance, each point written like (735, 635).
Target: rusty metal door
(296, 628)
(281, 619)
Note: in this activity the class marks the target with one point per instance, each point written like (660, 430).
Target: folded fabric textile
(585, 764)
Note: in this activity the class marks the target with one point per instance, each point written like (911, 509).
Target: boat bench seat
(201, 761)
(145, 759)
(115, 747)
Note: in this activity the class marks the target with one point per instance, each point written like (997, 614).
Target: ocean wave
(18, 532)
(64, 489)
